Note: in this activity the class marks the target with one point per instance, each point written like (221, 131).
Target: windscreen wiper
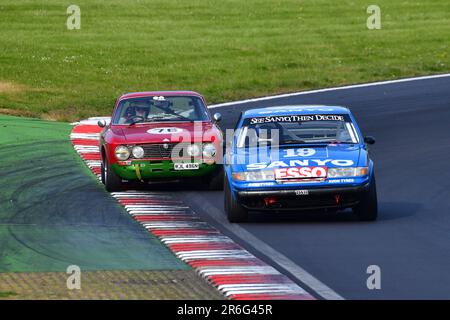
(293, 142)
(315, 142)
(142, 120)
(173, 113)
(132, 123)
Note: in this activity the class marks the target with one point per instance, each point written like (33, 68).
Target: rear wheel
(102, 172)
(235, 212)
(109, 178)
(367, 209)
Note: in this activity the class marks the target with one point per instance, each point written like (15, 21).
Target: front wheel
(235, 212)
(109, 178)
(367, 209)
(215, 181)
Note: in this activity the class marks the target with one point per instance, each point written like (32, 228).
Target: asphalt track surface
(410, 242)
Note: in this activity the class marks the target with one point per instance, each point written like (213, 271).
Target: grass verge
(224, 49)
(54, 213)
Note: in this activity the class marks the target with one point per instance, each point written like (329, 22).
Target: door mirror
(369, 140)
(101, 123)
(217, 117)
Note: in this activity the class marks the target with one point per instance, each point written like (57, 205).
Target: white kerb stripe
(370, 84)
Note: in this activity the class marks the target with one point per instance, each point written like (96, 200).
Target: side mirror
(217, 117)
(101, 123)
(369, 140)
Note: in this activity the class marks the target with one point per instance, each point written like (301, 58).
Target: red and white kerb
(234, 271)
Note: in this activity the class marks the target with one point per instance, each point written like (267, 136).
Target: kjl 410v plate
(186, 166)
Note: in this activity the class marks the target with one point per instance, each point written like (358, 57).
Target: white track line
(202, 239)
(277, 258)
(266, 287)
(354, 86)
(91, 121)
(260, 291)
(155, 207)
(139, 213)
(85, 136)
(199, 225)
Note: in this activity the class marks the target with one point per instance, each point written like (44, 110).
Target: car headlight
(122, 153)
(347, 172)
(209, 151)
(193, 150)
(257, 175)
(138, 152)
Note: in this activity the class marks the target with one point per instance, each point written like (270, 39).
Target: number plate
(186, 166)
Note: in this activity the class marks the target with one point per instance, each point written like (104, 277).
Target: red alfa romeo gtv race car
(161, 136)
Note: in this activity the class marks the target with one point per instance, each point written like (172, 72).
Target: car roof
(159, 93)
(296, 109)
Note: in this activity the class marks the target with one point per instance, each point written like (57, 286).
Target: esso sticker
(168, 130)
(301, 173)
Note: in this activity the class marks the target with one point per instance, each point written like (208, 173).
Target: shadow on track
(214, 200)
(387, 211)
(172, 186)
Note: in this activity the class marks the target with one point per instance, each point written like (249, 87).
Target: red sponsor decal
(301, 173)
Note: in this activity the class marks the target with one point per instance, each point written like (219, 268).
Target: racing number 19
(302, 152)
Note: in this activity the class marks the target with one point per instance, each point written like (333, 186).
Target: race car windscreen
(159, 108)
(297, 129)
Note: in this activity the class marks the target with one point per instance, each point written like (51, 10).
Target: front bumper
(149, 169)
(302, 198)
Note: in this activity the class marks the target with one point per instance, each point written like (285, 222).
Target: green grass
(225, 49)
(54, 212)
(7, 294)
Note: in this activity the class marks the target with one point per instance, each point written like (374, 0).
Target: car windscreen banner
(296, 118)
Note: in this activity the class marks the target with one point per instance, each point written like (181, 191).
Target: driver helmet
(141, 108)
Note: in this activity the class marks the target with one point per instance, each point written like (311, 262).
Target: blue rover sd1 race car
(299, 158)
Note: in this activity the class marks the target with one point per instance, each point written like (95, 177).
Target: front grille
(162, 150)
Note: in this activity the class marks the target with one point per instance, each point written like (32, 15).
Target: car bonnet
(339, 155)
(165, 132)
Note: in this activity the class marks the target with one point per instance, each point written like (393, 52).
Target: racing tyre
(235, 212)
(216, 180)
(102, 172)
(367, 209)
(110, 179)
